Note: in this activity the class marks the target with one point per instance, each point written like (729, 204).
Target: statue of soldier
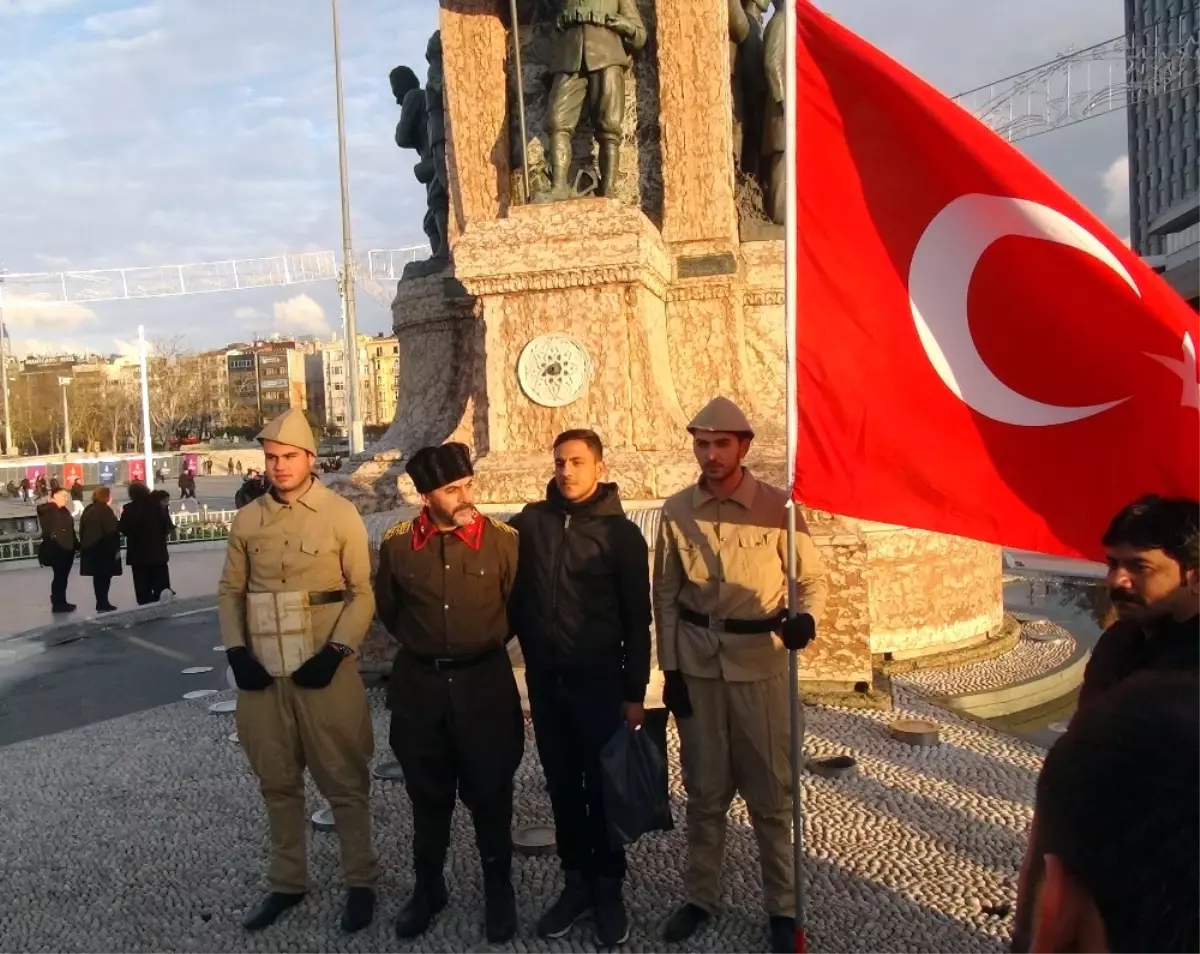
(594, 44)
(752, 82)
(435, 125)
(774, 130)
(739, 31)
(413, 131)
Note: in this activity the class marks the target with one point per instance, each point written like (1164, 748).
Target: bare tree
(177, 388)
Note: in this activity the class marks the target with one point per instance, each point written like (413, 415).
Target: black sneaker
(683, 923)
(62, 608)
(612, 923)
(269, 909)
(574, 902)
(359, 910)
(416, 916)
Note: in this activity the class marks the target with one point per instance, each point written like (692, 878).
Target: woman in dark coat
(100, 546)
(146, 526)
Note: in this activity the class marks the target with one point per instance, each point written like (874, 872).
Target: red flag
(976, 353)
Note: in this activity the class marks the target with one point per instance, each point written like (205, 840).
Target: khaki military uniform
(316, 545)
(727, 559)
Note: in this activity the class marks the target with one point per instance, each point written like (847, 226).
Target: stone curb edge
(19, 645)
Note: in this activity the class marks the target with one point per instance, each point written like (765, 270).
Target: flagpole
(147, 448)
(791, 250)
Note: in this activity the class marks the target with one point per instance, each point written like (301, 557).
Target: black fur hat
(434, 467)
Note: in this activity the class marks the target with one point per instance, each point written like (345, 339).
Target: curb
(55, 634)
(1024, 695)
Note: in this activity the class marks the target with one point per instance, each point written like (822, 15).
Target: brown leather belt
(447, 663)
(326, 597)
(743, 627)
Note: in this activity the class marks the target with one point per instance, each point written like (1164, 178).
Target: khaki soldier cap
(291, 427)
(721, 414)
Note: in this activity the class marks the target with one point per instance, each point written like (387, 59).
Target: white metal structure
(1081, 84)
(388, 263)
(159, 281)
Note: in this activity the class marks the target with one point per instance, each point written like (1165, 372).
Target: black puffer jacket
(581, 599)
(59, 541)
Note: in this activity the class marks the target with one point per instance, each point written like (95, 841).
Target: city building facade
(1162, 43)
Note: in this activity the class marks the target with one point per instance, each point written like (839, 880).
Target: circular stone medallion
(200, 693)
(219, 708)
(196, 670)
(915, 731)
(233, 737)
(837, 766)
(553, 369)
(534, 840)
(322, 820)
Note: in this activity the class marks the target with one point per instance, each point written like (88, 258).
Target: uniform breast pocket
(757, 552)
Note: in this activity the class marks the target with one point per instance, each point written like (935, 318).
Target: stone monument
(627, 312)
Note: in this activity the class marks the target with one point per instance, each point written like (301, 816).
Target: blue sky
(171, 131)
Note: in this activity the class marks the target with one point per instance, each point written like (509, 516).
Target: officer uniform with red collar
(457, 726)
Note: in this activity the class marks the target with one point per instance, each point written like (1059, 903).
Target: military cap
(434, 467)
(292, 428)
(721, 414)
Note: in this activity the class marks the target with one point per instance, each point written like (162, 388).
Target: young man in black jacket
(581, 610)
(57, 551)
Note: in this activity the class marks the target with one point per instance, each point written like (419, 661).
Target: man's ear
(1191, 579)
(602, 471)
(1064, 915)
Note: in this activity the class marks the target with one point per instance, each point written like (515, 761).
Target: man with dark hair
(1112, 860)
(1154, 582)
(581, 609)
(442, 590)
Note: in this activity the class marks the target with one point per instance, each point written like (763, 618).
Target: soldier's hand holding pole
(248, 672)
(798, 631)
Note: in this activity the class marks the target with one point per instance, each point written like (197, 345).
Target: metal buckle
(716, 624)
(442, 664)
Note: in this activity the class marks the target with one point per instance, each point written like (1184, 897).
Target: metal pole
(516, 39)
(66, 421)
(145, 409)
(356, 427)
(4, 342)
(790, 294)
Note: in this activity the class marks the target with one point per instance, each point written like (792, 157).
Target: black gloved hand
(798, 631)
(675, 694)
(317, 672)
(248, 672)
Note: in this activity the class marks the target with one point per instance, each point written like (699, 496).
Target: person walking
(77, 499)
(100, 546)
(58, 547)
(720, 598)
(442, 590)
(26, 489)
(187, 485)
(294, 603)
(581, 610)
(146, 526)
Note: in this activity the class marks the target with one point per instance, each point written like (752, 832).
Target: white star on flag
(1186, 369)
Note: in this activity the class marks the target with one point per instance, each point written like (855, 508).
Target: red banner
(72, 475)
(137, 469)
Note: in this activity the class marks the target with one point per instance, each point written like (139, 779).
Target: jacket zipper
(558, 569)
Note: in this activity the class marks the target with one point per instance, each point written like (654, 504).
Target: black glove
(248, 672)
(675, 694)
(317, 672)
(798, 631)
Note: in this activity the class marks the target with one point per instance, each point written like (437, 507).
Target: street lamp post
(64, 383)
(347, 276)
(4, 343)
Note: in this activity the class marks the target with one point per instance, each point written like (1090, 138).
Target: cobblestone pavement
(1027, 660)
(146, 833)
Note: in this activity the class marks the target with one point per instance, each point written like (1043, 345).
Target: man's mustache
(464, 507)
(1125, 596)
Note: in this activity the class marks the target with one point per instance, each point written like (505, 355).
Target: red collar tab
(424, 531)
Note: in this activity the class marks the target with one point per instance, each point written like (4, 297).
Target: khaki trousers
(738, 740)
(285, 729)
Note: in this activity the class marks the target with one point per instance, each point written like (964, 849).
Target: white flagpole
(791, 250)
(146, 446)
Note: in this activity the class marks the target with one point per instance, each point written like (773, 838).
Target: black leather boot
(269, 909)
(428, 898)
(359, 910)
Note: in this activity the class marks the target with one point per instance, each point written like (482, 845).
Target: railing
(190, 527)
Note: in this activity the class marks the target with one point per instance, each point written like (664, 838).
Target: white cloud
(24, 347)
(113, 22)
(249, 315)
(34, 8)
(42, 314)
(300, 315)
(1116, 188)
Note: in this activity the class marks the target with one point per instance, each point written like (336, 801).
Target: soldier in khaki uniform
(720, 593)
(295, 600)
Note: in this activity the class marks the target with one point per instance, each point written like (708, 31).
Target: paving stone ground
(147, 833)
(1029, 659)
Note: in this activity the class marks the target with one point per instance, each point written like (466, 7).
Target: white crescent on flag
(939, 277)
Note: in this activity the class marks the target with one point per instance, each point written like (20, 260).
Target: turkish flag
(976, 353)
